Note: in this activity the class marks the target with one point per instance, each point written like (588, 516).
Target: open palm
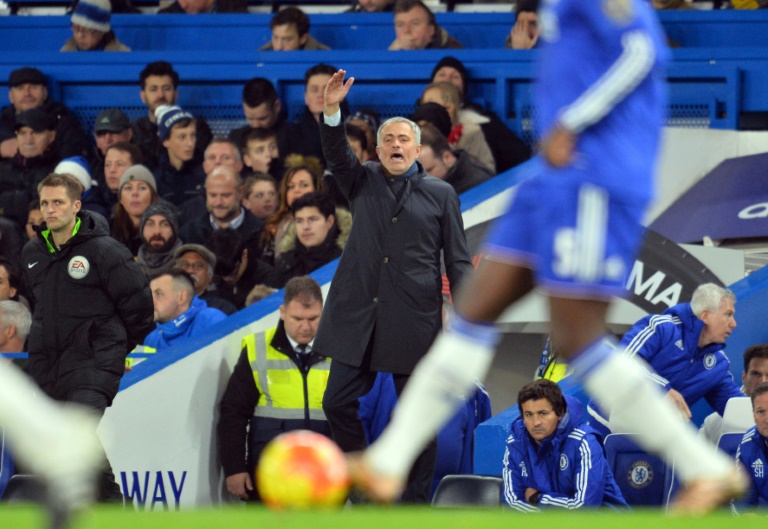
(336, 89)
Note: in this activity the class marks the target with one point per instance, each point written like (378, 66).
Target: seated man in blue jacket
(178, 312)
(684, 346)
(553, 459)
(753, 450)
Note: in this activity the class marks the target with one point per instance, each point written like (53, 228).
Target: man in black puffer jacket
(92, 305)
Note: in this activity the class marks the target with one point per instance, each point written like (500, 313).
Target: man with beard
(223, 197)
(199, 262)
(159, 226)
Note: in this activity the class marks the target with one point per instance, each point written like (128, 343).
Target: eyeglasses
(86, 31)
(199, 266)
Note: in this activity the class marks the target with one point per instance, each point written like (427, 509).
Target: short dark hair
(542, 389)
(434, 139)
(756, 351)
(71, 184)
(256, 178)
(258, 135)
(357, 134)
(529, 6)
(303, 289)
(159, 68)
(318, 69)
(403, 6)
(227, 245)
(317, 199)
(14, 277)
(258, 91)
(291, 15)
(133, 151)
(33, 205)
(759, 390)
(178, 276)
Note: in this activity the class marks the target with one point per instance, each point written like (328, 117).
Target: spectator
(15, 321)
(199, 262)
(11, 242)
(111, 126)
(319, 235)
(118, 158)
(159, 240)
(196, 7)
(160, 86)
(507, 148)
(465, 133)
(10, 281)
(290, 32)
(35, 159)
(261, 153)
(179, 314)
(78, 167)
(385, 297)
(434, 114)
(260, 197)
(180, 175)
(300, 179)
(755, 373)
(368, 121)
(753, 450)
(137, 192)
(27, 91)
(691, 335)
(524, 35)
(222, 151)
(553, 458)
(305, 135)
(662, 5)
(34, 219)
(91, 30)
(372, 6)
(263, 110)
(459, 168)
(223, 196)
(81, 279)
(417, 29)
(255, 408)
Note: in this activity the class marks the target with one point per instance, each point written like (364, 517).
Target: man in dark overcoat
(385, 302)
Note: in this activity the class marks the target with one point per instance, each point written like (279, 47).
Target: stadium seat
(729, 442)
(468, 490)
(644, 479)
(24, 488)
(737, 416)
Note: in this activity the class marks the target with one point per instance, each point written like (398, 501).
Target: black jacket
(197, 232)
(71, 139)
(467, 173)
(19, 177)
(92, 307)
(220, 6)
(507, 148)
(238, 404)
(146, 139)
(389, 276)
(179, 185)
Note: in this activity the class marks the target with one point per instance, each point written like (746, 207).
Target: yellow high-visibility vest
(281, 383)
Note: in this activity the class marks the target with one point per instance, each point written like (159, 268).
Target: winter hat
(199, 249)
(93, 14)
(456, 64)
(78, 167)
(137, 172)
(111, 120)
(164, 209)
(435, 114)
(167, 116)
(26, 75)
(36, 119)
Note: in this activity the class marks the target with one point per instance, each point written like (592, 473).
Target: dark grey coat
(389, 276)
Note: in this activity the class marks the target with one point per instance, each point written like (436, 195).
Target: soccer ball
(302, 470)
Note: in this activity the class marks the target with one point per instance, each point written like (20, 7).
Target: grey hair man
(15, 321)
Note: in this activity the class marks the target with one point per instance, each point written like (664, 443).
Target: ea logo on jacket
(78, 267)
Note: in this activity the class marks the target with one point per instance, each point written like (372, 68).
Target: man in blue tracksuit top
(753, 451)
(552, 458)
(684, 346)
(178, 312)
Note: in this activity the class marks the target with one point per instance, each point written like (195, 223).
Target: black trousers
(348, 383)
(108, 489)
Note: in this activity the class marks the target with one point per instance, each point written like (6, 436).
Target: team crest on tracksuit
(709, 360)
(640, 474)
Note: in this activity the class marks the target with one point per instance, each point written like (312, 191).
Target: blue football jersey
(601, 75)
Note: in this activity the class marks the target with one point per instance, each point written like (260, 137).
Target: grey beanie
(165, 209)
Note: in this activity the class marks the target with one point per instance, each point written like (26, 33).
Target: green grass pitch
(28, 517)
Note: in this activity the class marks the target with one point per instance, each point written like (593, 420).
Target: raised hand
(335, 92)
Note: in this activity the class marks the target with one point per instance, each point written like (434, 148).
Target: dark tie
(301, 353)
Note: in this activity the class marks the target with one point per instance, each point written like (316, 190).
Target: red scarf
(455, 135)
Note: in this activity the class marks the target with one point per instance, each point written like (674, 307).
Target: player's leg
(58, 443)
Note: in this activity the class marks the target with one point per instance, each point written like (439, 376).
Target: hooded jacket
(195, 320)
(568, 468)
(92, 306)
